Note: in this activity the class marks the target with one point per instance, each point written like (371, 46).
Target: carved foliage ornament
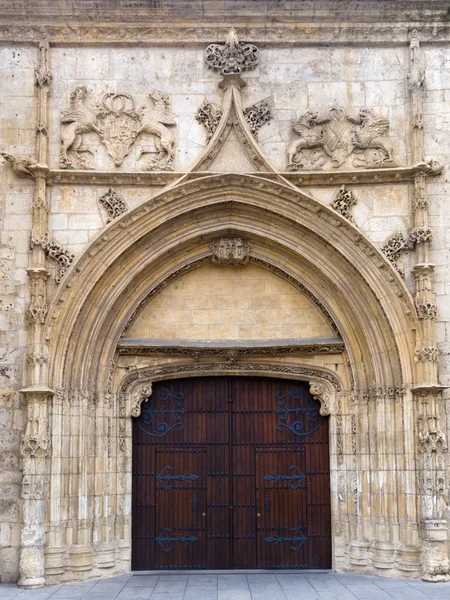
(55, 252)
(394, 247)
(209, 116)
(231, 251)
(329, 141)
(256, 115)
(344, 202)
(141, 396)
(113, 203)
(118, 123)
(233, 57)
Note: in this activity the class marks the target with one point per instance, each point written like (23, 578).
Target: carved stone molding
(35, 446)
(430, 354)
(233, 57)
(231, 251)
(257, 115)
(55, 252)
(209, 116)
(117, 124)
(344, 202)
(113, 203)
(302, 372)
(141, 395)
(328, 141)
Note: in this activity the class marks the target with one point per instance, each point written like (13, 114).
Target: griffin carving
(81, 119)
(329, 141)
(155, 123)
(117, 123)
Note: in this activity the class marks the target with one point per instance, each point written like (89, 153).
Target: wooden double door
(231, 473)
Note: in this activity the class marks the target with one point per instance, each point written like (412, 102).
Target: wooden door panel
(209, 454)
(180, 527)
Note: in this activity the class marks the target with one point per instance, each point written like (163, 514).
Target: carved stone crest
(330, 140)
(233, 57)
(118, 123)
(231, 251)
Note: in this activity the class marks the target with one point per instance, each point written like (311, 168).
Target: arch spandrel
(109, 265)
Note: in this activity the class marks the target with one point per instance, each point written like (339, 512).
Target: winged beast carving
(330, 141)
(117, 123)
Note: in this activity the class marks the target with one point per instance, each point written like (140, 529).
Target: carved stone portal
(328, 141)
(231, 251)
(118, 124)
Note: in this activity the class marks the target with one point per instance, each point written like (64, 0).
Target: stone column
(35, 447)
(431, 442)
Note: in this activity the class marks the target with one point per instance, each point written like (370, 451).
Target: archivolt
(289, 231)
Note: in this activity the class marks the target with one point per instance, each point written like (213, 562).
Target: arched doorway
(231, 473)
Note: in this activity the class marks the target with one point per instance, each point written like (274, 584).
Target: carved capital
(140, 396)
(419, 235)
(231, 251)
(426, 309)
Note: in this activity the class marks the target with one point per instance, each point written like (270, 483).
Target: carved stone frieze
(55, 252)
(209, 116)
(231, 251)
(35, 446)
(257, 115)
(117, 124)
(22, 166)
(430, 354)
(419, 235)
(328, 141)
(113, 203)
(233, 57)
(344, 202)
(131, 348)
(141, 396)
(394, 247)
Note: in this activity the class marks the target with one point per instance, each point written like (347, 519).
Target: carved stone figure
(118, 124)
(233, 57)
(81, 119)
(156, 123)
(231, 251)
(21, 165)
(329, 141)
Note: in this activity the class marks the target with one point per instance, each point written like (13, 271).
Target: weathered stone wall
(17, 125)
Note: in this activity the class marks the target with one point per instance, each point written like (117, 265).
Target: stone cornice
(286, 34)
(299, 178)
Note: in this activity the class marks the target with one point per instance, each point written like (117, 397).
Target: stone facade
(186, 199)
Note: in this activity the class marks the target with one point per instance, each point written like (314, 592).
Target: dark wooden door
(231, 472)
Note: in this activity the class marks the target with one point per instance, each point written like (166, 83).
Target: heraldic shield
(118, 124)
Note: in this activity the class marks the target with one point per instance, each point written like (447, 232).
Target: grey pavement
(257, 586)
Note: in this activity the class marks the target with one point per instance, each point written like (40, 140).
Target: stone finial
(231, 251)
(233, 57)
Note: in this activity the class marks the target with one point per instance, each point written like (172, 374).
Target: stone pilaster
(35, 447)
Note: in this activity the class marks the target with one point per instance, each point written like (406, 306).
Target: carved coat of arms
(331, 140)
(117, 123)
